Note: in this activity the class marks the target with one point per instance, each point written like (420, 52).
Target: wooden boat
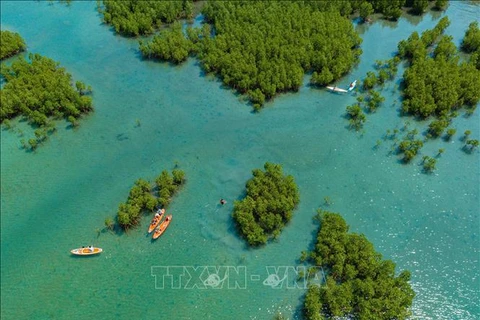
(156, 220)
(163, 226)
(352, 85)
(335, 89)
(86, 251)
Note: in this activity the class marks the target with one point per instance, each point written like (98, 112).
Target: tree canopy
(133, 18)
(11, 43)
(471, 41)
(259, 48)
(359, 283)
(39, 90)
(267, 206)
(436, 81)
(264, 48)
(144, 197)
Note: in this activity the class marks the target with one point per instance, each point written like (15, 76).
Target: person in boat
(223, 201)
(90, 248)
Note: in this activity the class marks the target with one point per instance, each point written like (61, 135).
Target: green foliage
(39, 90)
(133, 18)
(11, 43)
(267, 206)
(128, 213)
(429, 164)
(304, 256)
(440, 4)
(370, 81)
(109, 223)
(365, 10)
(409, 148)
(266, 47)
(436, 85)
(168, 185)
(141, 197)
(471, 41)
(169, 45)
(419, 6)
(359, 283)
(450, 133)
(374, 100)
(356, 116)
(436, 127)
(471, 144)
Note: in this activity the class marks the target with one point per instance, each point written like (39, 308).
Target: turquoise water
(57, 198)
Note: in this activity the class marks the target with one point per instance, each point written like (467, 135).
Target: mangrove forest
(41, 91)
(359, 283)
(143, 197)
(268, 204)
(11, 43)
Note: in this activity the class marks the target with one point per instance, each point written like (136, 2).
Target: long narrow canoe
(335, 89)
(86, 251)
(156, 220)
(163, 226)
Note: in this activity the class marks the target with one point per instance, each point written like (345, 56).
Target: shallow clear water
(57, 198)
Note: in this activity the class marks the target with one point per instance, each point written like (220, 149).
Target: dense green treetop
(169, 45)
(139, 199)
(168, 185)
(359, 283)
(471, 41)
(40, 90)
(144, 197)
(133, 18)
(263, 48)
(11, 43)
(267, 206)
(436, 81)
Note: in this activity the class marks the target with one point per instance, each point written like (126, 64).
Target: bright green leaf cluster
(262, 48)
(11, 43)
(439, 84)
(168, 185)
(359, 283)
(133, 18)
(40, 90)
(356, 117)
(141, 197)
(168, 45)
(471, 41)
(267, 206)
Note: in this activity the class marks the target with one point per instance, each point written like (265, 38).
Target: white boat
(86, 251)
(335, 89)
(352, 85)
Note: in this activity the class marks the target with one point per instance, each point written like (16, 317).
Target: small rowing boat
(163, 226)
(156, 220)
(86, 251)
(335, 89)
(352, 85)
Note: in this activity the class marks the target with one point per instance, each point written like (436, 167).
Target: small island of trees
(144, 197)
(267, 206)
(11, 43)
(40, 90)
(359, 283)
